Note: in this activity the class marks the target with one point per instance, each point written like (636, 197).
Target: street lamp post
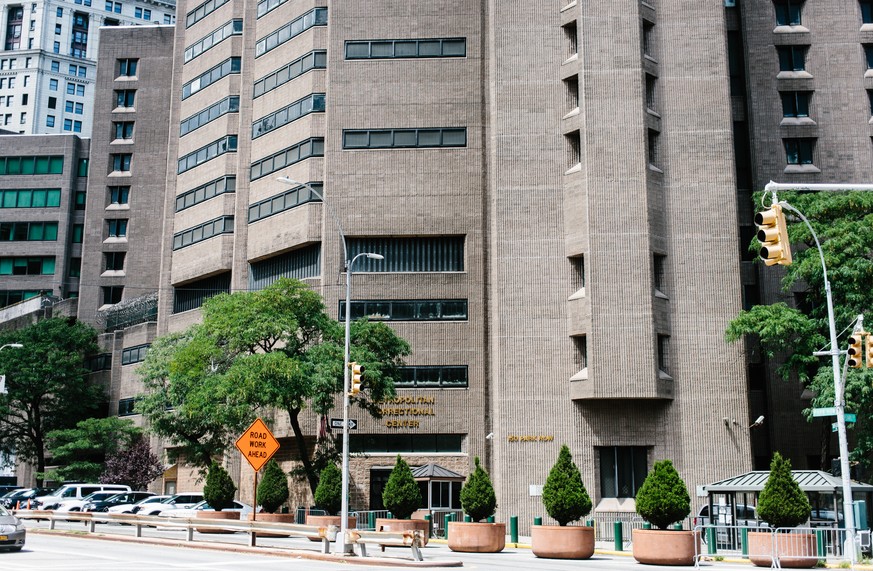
(342, 544)
(3, 390)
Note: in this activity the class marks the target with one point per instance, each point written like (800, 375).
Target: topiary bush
(401, 495)
(477, 494)
(564, 495)
(663, 498)
(782, 503)
(329, 492)
(219, 489)
(273, 487)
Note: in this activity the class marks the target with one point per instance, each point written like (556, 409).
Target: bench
(411, 539)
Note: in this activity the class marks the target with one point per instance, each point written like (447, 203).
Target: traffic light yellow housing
(773, 235)
(357, 371)
(854, 352)
(869, 348)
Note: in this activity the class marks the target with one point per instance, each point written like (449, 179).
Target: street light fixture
(342, 544)
(3, 390)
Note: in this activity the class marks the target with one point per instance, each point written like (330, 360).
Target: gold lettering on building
(531, 438)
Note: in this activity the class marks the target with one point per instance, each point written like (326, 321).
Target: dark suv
(117, 499)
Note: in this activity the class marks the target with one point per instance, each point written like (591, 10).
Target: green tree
(782, 503)
(272, 348)
(564, 495)
(843, 222)
(329, 492)
(663, 498)
(401, 495)
(477, 494)
(219, 489)
(273, 487)
(48, 386)
(81, 452)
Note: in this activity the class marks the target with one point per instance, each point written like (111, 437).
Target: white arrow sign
(338, 423)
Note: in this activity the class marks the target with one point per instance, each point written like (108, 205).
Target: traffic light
(773, 235)
(854, 351)
(869, 348)
(357, 371)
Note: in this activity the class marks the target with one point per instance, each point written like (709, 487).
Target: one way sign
(338, 423)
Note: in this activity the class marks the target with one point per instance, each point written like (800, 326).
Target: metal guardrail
(326, 534)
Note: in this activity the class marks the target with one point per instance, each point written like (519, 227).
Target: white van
(74, 492)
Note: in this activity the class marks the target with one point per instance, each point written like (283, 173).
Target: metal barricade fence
(439, 520)
(366, 520)
(766, 546)
(301, 513)
(604, 526)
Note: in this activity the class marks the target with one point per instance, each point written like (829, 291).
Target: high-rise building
(47, 67)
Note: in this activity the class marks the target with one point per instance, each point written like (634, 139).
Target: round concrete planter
(272, 518)
(395, 525)
(794, 550)
(665, 547)
(562, 542)
(209, 514)
(472, 537)
(326, 520)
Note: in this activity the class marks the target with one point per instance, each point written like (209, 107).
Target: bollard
(449, 517)
(513, 529)
(371, 521)
(820, 544)
(589, 522)
(616, 532)
(647, 525)
(489, 519)
(467, 519)
(677, 526)
(710, 540)
(538, 521)
(744, 541)
(429, 521)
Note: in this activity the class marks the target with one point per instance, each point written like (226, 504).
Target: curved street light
(342, 545)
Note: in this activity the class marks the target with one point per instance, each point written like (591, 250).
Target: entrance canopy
(435, 472)
(809, 481)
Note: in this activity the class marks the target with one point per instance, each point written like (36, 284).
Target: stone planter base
(272, 518)
(794, 550)
(326, 520)
(665, 547)
(469, 537)
(562, 542)
(386, 524)
(208, 514)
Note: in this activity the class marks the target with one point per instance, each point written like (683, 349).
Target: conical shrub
(564, 495)
(477, 494)
(329, 492)
(273, 487)
(219, 489)
(401, 495)
(782, 503)
(663, 498)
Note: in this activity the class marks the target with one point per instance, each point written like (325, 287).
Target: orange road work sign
(257, 444)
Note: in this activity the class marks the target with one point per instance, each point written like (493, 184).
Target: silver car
(11, 531)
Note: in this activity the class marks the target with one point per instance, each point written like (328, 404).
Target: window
(664, 353)
(214, 149)
(653, 148)
(580, 344)
(82, 169)
(309, 104)
(28, 231)
(313, 60)
(387, 49)
(192, 295)
(439, 377)
(867, 11)
(78, 231)
(116, 227)
(100, 362)
(123, 129)
(56, 66)
(404, 138)
(127, 67)
(407, 310)
(283, 201)
(22, 119)
(649, 39)
(231, 28)
(205, 192)
(31, 165)
(80, 90)
(167, 19)
(53, 86)
(30, 198)
(68, 124)
(57, 29)
(60, 12)
(56, 47)
(795, 103)
(14, 20)
(68, 107)
(112, 294)
(27, 266)
(406, 443)
(202, 11)
(622, 470)
(659, 272)
(299, 264)
(201, 232)
(577, 264)
(799, 151)
(121, 162)
(792, 58)
(126, 407)
(227, 105)
(227, 67)
(134, 354)
(313, 147)
(81, 197)
(788, 12)
(315, 17)
(113, 261)
(431, 254)
(71, 88)
(651, 82)
(119, 194)
(265, 6)
(137, 12)
(124, 97)
(868, 55)
(50, 121)
(75, 268)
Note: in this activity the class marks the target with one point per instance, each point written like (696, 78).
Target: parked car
(124, 498)
(825, 518)
(74, 492)
(178, 501)
(4, 489)
(11, 500)
(79, 505)
(243, 509)
(12, 532)
(133, 508)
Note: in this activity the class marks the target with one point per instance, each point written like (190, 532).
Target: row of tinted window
(424, 48)
(32, 165)
(214, 149)
(315, 17)
(99, 362)
(313, 103)
(283, 201)
(127, 407)
(426, 254)
(227, 105)
(205, 192)
(316, 59)
(299, 264)
(220, 225)
(8, 297)
(227, 67)
(31, 198)
(395, 443)
(192, 295)
(799, 151)
(404, 138)
(407, 309)
(313, 147)
(265, 6)
(445, 377)
(28, 231)
(27, 266)
(134, 354)
(202, 11)
(232, 28)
